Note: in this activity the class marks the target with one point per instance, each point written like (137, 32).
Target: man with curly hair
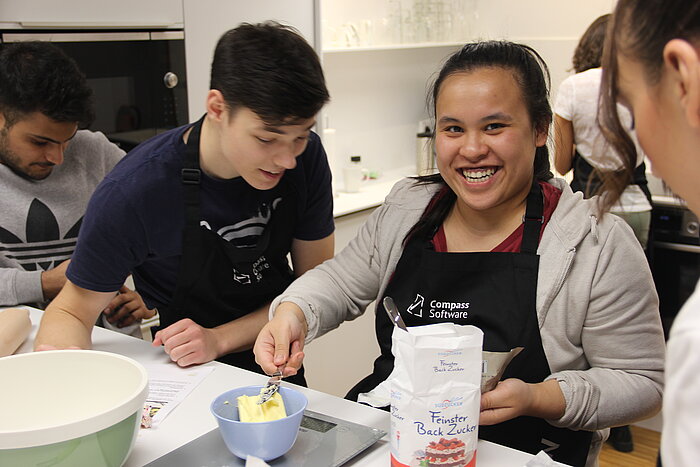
(48, 171)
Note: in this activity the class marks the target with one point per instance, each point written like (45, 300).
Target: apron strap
(533, 219)
(587, 180)
(190, 177)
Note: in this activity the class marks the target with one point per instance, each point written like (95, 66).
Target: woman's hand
(513, 398)
(281, 341)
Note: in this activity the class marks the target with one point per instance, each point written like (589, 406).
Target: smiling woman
(485, 151)
(537, 265)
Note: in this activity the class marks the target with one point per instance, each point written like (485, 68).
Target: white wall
(207, 20)
(552, 27)
(378, 96)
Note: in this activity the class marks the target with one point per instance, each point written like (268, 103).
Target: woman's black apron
(587, 180)
(219, 282)
(497, 293)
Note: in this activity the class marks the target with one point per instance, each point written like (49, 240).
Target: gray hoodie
(596, 303)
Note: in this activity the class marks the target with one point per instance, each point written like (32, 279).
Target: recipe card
(168, 385)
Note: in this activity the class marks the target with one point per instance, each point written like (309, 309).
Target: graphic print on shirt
(245, 234)
(43, 248)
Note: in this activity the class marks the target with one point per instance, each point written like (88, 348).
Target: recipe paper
(168, 385)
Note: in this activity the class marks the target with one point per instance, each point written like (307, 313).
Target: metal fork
(272, 386)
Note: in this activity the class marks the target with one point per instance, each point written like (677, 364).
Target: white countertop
(371, 194)
(192, 418)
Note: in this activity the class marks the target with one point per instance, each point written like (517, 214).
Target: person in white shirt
(580, 145)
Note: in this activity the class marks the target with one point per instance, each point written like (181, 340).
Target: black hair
(40, 77)
(589, 51)
(532, 75)
(270, 69)
(639, 30)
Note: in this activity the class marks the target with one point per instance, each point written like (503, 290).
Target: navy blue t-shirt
(135, 218)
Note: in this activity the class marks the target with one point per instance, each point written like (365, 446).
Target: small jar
(353, 175)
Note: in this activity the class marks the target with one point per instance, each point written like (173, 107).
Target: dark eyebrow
(444, 120)
(489, 118)
(497, 116)
(51, 140)
(279, 129)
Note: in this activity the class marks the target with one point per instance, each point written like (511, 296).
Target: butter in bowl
(265, 435)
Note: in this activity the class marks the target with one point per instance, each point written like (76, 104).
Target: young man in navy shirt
(205, 215)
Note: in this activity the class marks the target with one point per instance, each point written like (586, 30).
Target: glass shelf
(373, 48)
(429, 45)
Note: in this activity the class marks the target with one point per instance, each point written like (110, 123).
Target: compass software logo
(416, 308)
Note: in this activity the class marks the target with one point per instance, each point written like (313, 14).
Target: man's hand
(188, 343)
(513, 397)
(126, 308)
(281, 341)
(52, 281)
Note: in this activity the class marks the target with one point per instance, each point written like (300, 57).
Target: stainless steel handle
(76, 36)
(170, 80)
(57, 36)
(678, 247)
(97, 25)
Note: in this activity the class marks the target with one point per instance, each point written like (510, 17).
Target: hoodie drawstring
(594, 228)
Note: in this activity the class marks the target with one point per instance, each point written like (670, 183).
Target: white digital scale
(322, 441)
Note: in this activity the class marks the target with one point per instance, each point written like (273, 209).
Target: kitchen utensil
(393, 312)
(70, 408)
(272, 386)
(266, 440)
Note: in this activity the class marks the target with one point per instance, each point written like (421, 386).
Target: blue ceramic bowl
(265, 440)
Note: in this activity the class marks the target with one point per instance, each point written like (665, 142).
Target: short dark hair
(639, 30)
(40, 77)
(270, 69)
(589, 51)
(532, 75)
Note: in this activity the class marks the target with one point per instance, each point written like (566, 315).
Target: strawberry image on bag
(435, 395)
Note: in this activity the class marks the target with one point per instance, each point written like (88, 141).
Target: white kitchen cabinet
(29, 14)
(338, 360)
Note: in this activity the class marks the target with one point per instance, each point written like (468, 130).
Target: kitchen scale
(322, 441)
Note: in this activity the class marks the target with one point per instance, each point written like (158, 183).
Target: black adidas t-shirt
(135, 218)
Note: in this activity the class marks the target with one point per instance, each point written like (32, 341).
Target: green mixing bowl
(69, 408)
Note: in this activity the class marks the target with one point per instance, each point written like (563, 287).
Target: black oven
(674, 256)
(138, 77)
